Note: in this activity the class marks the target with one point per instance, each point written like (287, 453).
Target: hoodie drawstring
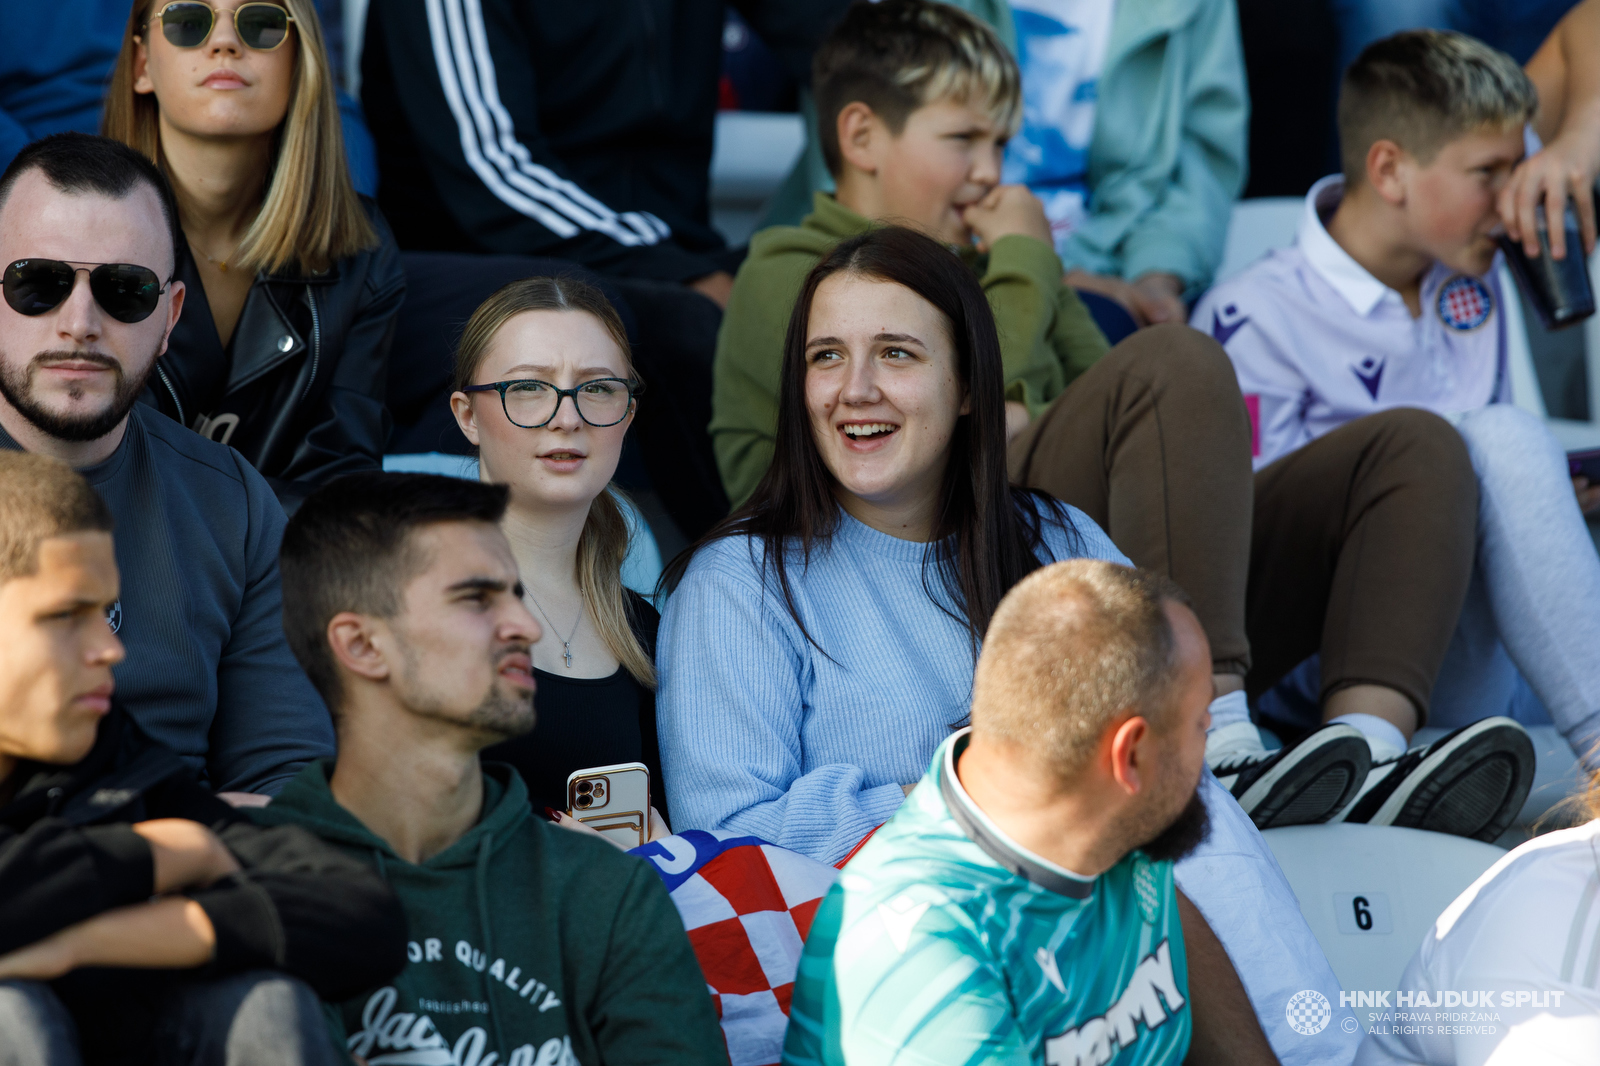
(484, 847)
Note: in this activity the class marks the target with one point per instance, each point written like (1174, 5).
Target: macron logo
(1047, 962)
(899, 918)
(1224, 333)
(1098, 1040)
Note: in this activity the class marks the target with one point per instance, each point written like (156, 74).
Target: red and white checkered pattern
(1464, 302)
(747, 906)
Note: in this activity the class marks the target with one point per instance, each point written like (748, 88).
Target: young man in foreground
(140, 915)
(1021, 905)
(1389, 299)
(528, 942)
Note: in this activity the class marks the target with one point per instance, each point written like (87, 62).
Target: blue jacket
(55, 60)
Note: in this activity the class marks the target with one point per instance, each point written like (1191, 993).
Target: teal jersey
(945, 942)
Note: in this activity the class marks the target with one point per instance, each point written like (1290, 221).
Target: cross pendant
(567, 654)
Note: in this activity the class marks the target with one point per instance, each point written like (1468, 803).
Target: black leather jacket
(300, 390)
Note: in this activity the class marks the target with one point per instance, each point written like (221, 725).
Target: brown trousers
(1358, 545)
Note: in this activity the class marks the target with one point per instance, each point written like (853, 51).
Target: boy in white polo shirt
(1388, 300)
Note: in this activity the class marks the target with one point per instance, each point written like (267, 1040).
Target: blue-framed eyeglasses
(531, 404)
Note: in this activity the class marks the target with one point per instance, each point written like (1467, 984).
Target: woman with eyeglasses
(546, 391)
(293, 279)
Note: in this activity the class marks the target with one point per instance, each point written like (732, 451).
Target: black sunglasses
(187, 24)
(126, 292)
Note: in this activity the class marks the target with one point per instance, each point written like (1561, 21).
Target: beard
(503, 713)
(17, 386)
(1183, 834)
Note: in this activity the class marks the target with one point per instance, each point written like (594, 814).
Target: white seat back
(1370, 892)
(1255, 228)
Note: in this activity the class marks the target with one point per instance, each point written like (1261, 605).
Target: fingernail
(552, 814)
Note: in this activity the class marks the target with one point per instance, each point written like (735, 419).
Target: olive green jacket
(1047, 337)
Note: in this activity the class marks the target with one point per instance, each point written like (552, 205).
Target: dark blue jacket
(55, 60)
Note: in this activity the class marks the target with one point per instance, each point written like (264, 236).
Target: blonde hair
(898, 55)
(1070, 647)
(310, 214)
(1422, 89)
(603, 544)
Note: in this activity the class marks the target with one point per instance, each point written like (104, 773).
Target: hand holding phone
(613, 800)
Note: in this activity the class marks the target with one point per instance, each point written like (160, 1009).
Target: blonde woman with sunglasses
(294, 279)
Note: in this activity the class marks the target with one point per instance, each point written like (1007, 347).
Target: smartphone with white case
(614, 800)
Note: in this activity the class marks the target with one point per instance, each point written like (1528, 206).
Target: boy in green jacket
(530, 945)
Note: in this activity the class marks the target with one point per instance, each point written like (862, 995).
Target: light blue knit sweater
(762, 733)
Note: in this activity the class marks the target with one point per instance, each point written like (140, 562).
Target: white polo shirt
(1526, 938)
(1317, 340)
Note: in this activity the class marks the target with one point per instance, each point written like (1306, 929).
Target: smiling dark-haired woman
(293, 279)
(820, 644)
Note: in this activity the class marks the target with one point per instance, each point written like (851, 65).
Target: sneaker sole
(1310, 784)
(1473, 787)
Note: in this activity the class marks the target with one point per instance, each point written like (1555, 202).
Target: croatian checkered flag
(747, 906)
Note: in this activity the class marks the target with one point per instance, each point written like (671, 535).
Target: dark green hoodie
(529, 945)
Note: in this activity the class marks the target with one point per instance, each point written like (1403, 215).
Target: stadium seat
(1370, 892)
(753, 152)
(641, 569)
(1255, 228)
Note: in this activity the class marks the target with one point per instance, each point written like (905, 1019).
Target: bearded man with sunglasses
(88, 241)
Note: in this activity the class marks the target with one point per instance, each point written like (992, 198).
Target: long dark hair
(987, 534)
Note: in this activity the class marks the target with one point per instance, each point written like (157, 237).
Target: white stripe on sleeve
(489, 142)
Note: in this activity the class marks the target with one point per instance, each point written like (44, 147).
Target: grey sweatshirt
(208, 672)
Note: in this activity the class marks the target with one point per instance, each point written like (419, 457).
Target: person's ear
(466, 417)
(175, 291)
(1129, 765)
(141, 67)
(860, 136)
(1386, 171)
(352, 638)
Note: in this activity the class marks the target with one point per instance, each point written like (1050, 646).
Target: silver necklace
(566, 645)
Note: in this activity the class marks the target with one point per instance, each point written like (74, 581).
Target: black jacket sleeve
(54, 874)
(350, 425)
(469, 103)
(297, 905)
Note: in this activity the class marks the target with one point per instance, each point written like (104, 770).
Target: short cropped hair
(1422, 89)
(80, 163)
(42, 498)
(897, 55)
(348, 549)
(1072, 646)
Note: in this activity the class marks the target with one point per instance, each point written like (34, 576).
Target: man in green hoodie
(530, 945)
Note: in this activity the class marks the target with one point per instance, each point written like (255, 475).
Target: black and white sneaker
(1469, 783)
(1301, 784)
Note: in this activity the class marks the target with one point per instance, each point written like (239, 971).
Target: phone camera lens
(583, 802)
(599, 792)
(584, 787)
